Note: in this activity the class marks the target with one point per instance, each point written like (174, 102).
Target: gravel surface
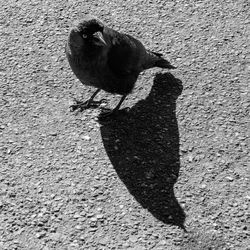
(170, 174)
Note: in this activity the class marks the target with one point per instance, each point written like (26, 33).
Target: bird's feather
(114, 67)
(124, 53)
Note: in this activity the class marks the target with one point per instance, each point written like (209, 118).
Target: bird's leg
(87, 104)
(113, 111)
(120, 103)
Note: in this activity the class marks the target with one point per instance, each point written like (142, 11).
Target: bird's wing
(125, 52)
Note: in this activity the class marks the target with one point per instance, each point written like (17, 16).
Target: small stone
(190, 158)
(90, 215)
(229, 178)
(126, 244)
(104, 241)
(82, 237)
(202, 199)
(86, 138)
(40, 235)
(162, 243)
(73, 245)
(78, 227)
(248, 197)
(99, 216)
(53, 133)
(138, 247)
(55, 236)
(102, 105)
(133, 238)
(76, 215)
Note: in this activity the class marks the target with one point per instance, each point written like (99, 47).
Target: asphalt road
(172, 173)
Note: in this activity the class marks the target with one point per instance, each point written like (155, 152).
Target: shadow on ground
(143, 147)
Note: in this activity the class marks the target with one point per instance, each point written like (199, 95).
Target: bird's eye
(84, 36)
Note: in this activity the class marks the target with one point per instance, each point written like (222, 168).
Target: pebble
(133, 238)
(77, 215)
(55, 236)
(104, 241)
(78, 227)
(94, 219)
(40, 235)
(162, 242)
(229, 178)
(86, 138)
(99, 216)
(190, 158)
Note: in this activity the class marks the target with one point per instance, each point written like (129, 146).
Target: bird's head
(91, 32)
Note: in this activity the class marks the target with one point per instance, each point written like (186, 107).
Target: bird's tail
(156, 60)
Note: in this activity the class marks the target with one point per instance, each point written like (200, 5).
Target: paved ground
(171, 174)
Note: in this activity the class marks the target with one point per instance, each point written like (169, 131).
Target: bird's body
(112, 63)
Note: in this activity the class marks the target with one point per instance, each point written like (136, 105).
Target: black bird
(109, 60)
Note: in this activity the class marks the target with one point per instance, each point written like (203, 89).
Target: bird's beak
(100, 37)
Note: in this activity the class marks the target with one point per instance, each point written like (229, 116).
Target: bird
(108, 60)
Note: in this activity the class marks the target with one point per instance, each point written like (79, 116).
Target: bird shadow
(143, 147)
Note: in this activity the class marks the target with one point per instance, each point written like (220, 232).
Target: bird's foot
(85, 105)
(112, 113)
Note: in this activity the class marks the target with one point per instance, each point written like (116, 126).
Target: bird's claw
(85, 105)
(79, 105)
